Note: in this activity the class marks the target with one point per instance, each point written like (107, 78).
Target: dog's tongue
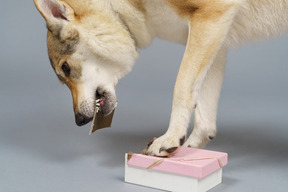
(100, 122)
(102, 102)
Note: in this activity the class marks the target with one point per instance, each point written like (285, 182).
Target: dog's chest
(165, 23)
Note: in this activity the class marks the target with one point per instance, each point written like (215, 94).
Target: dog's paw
(196, 141)
(165, 145)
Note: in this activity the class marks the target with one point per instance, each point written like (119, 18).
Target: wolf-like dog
(93, 43)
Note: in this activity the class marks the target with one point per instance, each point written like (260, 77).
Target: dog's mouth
(100, 97)
(107, 102)
(104, 101)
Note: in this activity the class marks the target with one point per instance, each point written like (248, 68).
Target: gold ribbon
(191, 159)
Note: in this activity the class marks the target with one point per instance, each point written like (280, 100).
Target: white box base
(169, 181)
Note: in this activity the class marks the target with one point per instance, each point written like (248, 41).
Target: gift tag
(99, 121)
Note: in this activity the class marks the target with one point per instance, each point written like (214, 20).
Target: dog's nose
(81, 119)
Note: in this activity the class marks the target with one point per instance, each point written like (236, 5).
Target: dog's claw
(171, 150)
(164, 146)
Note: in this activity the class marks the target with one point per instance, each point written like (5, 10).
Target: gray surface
(41, 149)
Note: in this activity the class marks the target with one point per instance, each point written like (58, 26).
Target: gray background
(41, 148)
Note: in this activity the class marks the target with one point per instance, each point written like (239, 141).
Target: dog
(93, 43)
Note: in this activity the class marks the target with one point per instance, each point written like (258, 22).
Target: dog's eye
(66, 69)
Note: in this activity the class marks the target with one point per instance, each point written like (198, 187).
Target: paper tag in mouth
(100, 122)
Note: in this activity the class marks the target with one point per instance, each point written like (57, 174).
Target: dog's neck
(150, 19)
(135, 20)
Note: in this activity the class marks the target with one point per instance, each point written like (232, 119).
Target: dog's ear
(55, 12)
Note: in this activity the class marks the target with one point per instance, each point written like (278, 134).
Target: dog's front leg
(208, 27)
(206, 111)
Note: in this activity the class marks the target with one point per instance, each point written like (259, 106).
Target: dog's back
(259, 19)
(254, 20)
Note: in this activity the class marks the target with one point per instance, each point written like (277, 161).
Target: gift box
(187, 170)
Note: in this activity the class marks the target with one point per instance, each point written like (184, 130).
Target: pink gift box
(188, 169)
(186, 161)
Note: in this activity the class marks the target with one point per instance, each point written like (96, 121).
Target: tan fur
(183, 8)
(74, 91)
(57, 47)
(206, 8)
(138, 4)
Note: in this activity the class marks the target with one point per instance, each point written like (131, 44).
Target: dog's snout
(81, 119)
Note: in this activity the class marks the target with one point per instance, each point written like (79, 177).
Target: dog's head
(90, 49)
